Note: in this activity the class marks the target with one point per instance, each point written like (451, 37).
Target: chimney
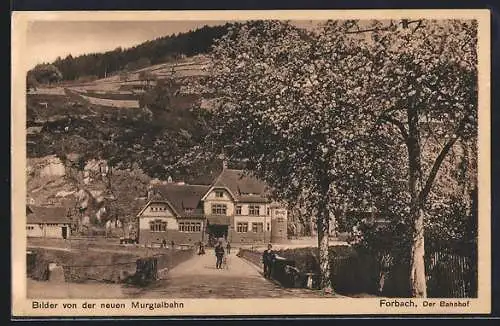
(150, 193)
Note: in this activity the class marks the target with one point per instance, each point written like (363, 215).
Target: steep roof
(49, 214)
(185, 199)
(244, 187)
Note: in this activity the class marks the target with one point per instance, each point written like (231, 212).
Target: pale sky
(48, 40)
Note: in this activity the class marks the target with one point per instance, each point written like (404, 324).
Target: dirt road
(198, 278)
(194, 278)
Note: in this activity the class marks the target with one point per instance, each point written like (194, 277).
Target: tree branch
(418, 26)
(398, 124)
(440, 158)
(386, 28)
(385, 118)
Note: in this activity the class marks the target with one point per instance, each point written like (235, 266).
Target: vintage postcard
(250, 163)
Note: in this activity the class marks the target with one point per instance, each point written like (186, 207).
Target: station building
(235, 207)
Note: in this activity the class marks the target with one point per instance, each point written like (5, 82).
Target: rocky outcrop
(48, 166)
(95, 170)
(91, 194)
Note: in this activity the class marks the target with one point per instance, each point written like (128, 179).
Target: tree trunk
(466, 177)
(417, 264)
(418, 285)
(323, 222)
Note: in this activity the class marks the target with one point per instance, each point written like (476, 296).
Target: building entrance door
(64, 232)
(216, 232)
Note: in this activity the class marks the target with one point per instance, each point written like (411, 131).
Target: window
(30, 227)
(158, 226)
(268, 226)
(190, 226)
(242, 227)
(219, 194)
(254, 210)
(268, 211)
(257, 227)
(280, 219)
(188, 210)
(238, 210)
(219, 209)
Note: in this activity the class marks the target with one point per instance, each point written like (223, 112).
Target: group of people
(164, 244)
(268, 256)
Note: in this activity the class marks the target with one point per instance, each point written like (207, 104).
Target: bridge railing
(283, 270)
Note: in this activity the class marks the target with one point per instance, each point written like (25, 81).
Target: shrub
(37, 266)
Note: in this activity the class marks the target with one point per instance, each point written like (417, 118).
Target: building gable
(219, 193)
(242, 186)
(184, 199)
(158, 208)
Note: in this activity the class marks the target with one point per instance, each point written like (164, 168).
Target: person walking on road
(201, 249)
(219, 254)
(228, 248)
(267, 259)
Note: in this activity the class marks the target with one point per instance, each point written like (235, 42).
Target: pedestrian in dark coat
(268, 259)
(228, 248)
(219, 254)
(201, 250)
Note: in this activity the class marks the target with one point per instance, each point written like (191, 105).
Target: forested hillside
(153, 137)
(164, 49)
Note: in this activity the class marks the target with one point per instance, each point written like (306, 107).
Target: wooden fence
(448, 275)
(451, 275)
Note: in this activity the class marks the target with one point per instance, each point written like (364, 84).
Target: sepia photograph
(334, 163)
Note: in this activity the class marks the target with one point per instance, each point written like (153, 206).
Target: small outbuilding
(47, 222)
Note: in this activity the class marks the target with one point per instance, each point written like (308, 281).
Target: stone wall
(82, 265)
(148, 237)
(249, 237)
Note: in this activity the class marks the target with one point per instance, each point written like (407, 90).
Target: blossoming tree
(311, 111)
(422, 82)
